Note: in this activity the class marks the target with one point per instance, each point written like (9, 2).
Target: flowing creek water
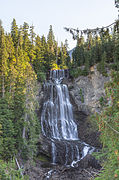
(58, 123)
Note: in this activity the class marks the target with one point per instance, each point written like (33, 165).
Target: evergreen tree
(30, 130)
(116, 52)
(32, 47)
(39, 62)
(63, 55)
(7, 148)
(26, 41)
(3, 61)
(51, 47)
(14, 33)
(51, 39)
(11, 65)
(46, 53)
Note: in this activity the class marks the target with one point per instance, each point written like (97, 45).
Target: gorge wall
(87, 91)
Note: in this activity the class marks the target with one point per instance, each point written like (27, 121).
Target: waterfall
(58, 123)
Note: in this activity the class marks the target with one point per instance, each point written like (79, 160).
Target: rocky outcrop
(86, 169)
(87, 91)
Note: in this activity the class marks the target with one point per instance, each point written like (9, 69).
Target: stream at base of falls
(58, 123)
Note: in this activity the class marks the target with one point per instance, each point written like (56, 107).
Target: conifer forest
(25, 62)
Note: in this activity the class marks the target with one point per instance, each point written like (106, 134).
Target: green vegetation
(42, 158)
(103, 101)
(24, 60)
(103, 50)
(8, 171)
(108, 125)
(81, 95)
(101, 47)
(97, 46)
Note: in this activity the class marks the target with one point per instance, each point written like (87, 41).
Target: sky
(80, 14)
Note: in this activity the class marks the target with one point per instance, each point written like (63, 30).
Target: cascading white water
(57, 121)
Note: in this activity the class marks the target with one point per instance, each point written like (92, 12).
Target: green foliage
(75, 72)
(41, 76)
(7, 141)
(101, 67)
(24, 59)
(48, 55)
(107, 123)
(14, 33)
(102, 49)
(42, 158)
(103, 101)
(81, 95)
(8, 171)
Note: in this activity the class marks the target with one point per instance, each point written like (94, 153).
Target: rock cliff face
(85, 94)
(87, 91)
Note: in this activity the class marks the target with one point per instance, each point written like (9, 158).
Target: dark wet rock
(86, 131)
(89, 161)
(43, 145)
(84, 170)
